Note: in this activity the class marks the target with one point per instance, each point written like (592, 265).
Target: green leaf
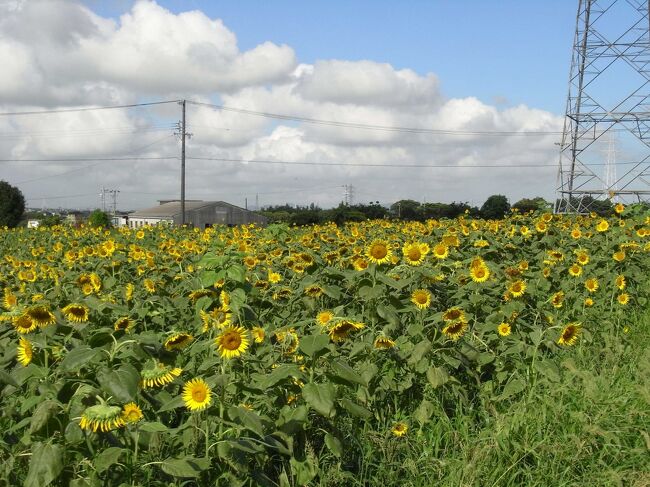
(7, 379)
(45, 466)
(334, 445)
(249, 419)
(185, 467)
(153, 427)
(355, 409)
(437, 376)
(513, 387)
(548, 369)
(108, 457)
(320, 397)
(304, 472)
(388, 313)
(371, 292)
(347, 373)
(43, 413)
(424, 412)
(419, 351)
(78, 357)
(173, 404)
(310, 345)
(278, 374)
(121, 383)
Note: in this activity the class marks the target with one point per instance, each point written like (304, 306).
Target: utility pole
(113, 193)
(102, 195)
(182, 133)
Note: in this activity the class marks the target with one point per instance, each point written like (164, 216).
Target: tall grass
(588, 424)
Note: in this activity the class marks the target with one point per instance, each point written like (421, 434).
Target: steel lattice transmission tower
(609, 91)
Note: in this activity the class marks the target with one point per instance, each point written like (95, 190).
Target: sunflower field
(268, 356)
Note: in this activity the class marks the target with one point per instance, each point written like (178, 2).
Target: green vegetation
(12, 205)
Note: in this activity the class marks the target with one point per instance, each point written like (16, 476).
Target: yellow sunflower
(9, 300)
(620, 282)
(287, 339)
(258, 334)
(379, 252)
(131, 413)
(399, 429)
(591, 284)
(123, 324)
(619, 256)
(421, 298)
(623, 298)
(149, 285)
(517, 289)
(602, 226)
(575, 270)
(440, 251)
(557, 300)
(360, 264)
(454, 314)
(314, 291)
(24, 324)
(479, 273)
(569, 335)
(232, 342)
(25, 352)
(76, 313)
(197, 395)
(504, 329)
(414, 254)
(324, 317)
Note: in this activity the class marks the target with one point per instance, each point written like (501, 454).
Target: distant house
(75, 218)
(33, 223)
(199, 214)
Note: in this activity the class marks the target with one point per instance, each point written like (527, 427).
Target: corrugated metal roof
(173, 208)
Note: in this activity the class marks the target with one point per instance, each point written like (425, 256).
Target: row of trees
(495, 207)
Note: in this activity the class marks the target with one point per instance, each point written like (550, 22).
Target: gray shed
(199, 214)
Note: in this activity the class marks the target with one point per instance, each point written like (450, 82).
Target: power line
(362, 164)
(86, 109)
(364, 126)
(84, 159)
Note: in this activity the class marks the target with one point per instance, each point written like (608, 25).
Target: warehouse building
(199, 214)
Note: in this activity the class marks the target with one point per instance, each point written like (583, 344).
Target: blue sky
(504, 52)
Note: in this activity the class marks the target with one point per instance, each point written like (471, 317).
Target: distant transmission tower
(609, 90)
(609, 174)
(348, 194)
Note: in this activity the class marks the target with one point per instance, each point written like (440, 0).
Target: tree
(99, 218)
(406, 210)
(495, 207)
(50, 220)
(12, 205)
(526, 205)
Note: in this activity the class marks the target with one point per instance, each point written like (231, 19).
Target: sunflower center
(414, 253)
(378, 251)
(198, 394)
(231, 341)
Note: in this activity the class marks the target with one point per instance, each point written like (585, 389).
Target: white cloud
(58, 52)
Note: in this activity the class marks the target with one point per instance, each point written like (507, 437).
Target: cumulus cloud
(61, 53)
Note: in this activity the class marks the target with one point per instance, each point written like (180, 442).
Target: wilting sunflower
(131, 413)
(557, 300)
(199, 293)
(399, 429)
(324, 317)
(623, 298)
(314, 291)
(379, 252)
(421, 298)
(159, 375)
(102, 417)
(383, 342)
(504, 329)
(25, 352)
(197, 395)
(232, 342)
(24, 324)
(124, 324)
(178, 341)
(341, 330)
(287, 339)
(591, 284)
(455, 329)
(569, 334)
(9, 300)
(360, 264)
(218, 317)
(41, 316)
(517, 289)
(414, 253)
(76, 313)
(128, 291)
(258, 334)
